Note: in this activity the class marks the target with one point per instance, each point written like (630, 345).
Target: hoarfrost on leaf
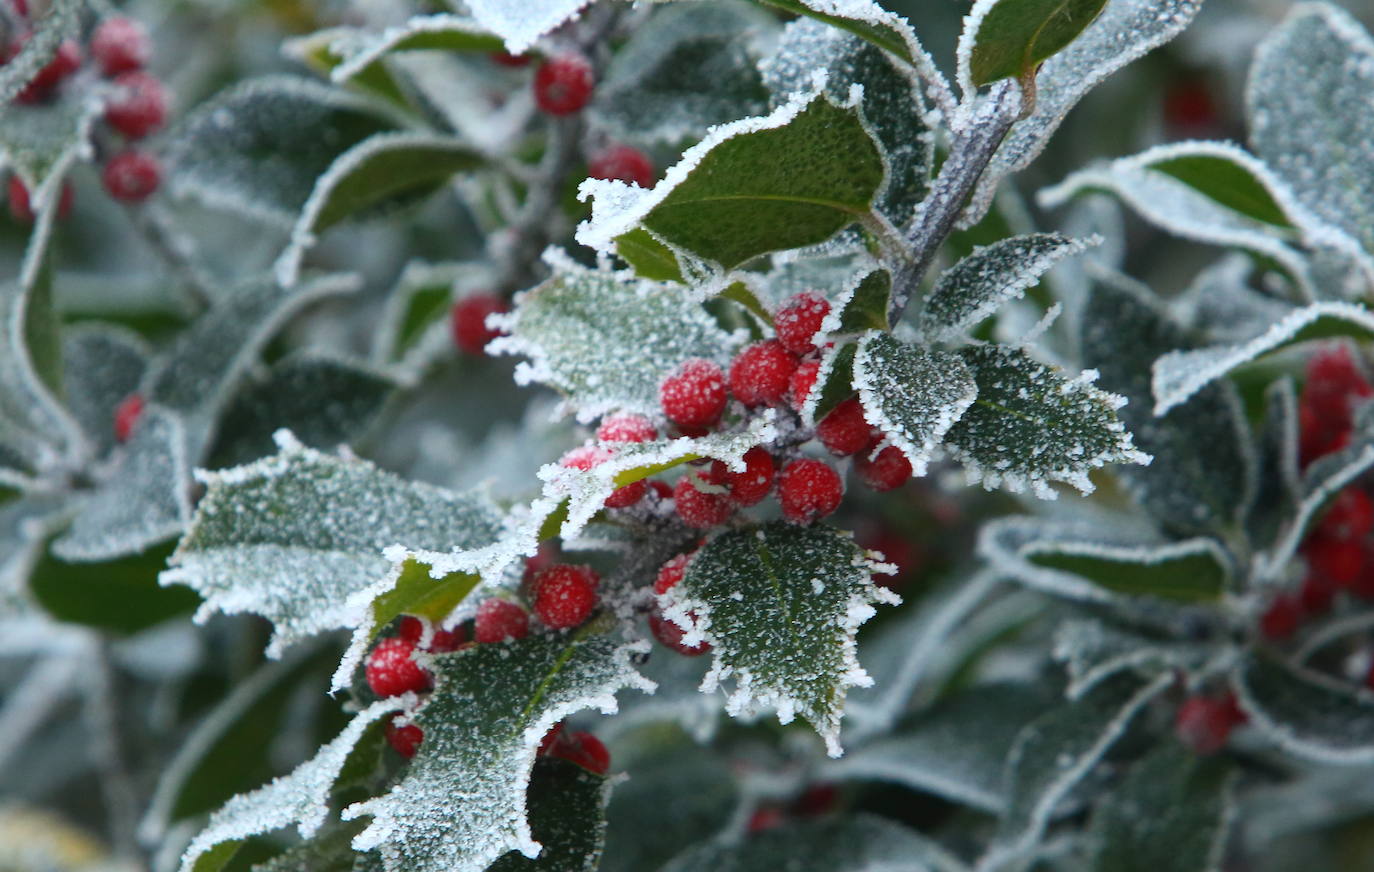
(1308, 715)
(1010, 38)
(361, 56)
(521, 22)
(101, 366)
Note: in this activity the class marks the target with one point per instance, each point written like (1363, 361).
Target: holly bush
(684, 436)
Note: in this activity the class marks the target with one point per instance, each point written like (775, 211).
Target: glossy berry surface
(132, 176)
(120, 45)
(669, 634)
(625, 427)
(392, 671)
(749, 487)
(126, 415)
(468, 322)
(404, 740)
(699, 507)
(22, 208)
(671, 573)
(845, 430)
(888, 470)
(584, 749)
(139, 105)
(808, 490)
(1205, 723)
(760, 375)
(499, 620)
(802, 381)
(624, 163)
(797, 321)
(564, 595)
(563, 84)
(694, 395)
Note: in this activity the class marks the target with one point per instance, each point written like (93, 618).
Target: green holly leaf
(649, 258)
(359, 56)
(1005, 39)
(567, 812)
(862, 305)
(1227, 174)
(1310, 716)
(103, 365)
(120, 595)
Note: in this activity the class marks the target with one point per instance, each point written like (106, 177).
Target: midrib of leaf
(1039, 31)
(564, 656)
(1015, 414)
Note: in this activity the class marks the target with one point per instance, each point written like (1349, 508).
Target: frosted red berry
(749, 487)
(468, 322)
(625, 427)
(126, 415)
(22, 209)
(1340, 560)
(564, 595)
(1316, 593)
(120, 45)
(888, 470)
(760, 375)
(444, 641)
(64, 63)
(584, 749)
(1325, 409)
(845, 430)
(798, 320)
(132, 176)
(671, 573)
(1205, 723)
(587, 456)
(563, 84)
(1280, 620)
(624, 163)
(392, 671)
(1351, 516)
(498, 620)
(802, 381)
(699, 507)
(809, 489)
(669, 634)
(403, 739)
(139, 105)
(694, 395)
(410, 628)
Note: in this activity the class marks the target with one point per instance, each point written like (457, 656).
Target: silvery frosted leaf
(414, 328)
(40, 142)
(300, 799)
(1311, 716)
(976, 286)
(1124, 31)
(61, 21)
(912, 394)
(607, 340)
(521, 22)
(1093, 651)
(461, 802)
(146, 498)
(1005, 39)
(1222, 304)
(1031, 424)
(780, 605)
(103, 365)
(359, 56)
(26, 522)
(1170, 813)
(567, 812)
(861, 843)
(1280, 487)
(292, 537)
(1204, 471)
(795, 272)
(326, 851)
(893, 104)
(698, 59)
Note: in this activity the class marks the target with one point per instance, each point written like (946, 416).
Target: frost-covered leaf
(360, 56)
(1169, 814)
(834, 382)
(415, 327)
(912, 394)
(789, 179)
(120, 595)
(300, 799)
(461, 803)
(861, 843)
(862, 304)
(1204, 470)
(698, 59)
(57, 21)
(380, 174)
(1031, 425)
(649, 258)
(102, 366)
(567, 813)
(1310, 716)
(606, 340)
(1278, 448)
(294, 536)
(1093, 651)
(40, 142)
(780, 605)
(976, 286)
(1308, 107)
(521, 22)
(1011, 38)
(258, 147)
(1227, 174)
(1179, 374)
(145, 500)
(1093, 562)
(1124, 31)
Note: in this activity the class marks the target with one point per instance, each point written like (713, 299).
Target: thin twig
(116, 782)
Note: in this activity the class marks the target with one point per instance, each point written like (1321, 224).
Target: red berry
(120, 45)
(662, 488)
(818, 799)
(1281, 619)
(563, 84)
(1205, 723)
(624, 163)
(550, 739)
(66, 62)
(761, 373)
(756, 482)
(765, 818)
(468, 321)
(21, 7)
(845, 430)
(1325, 409)
(139, 106)
(802, 381)
(671, 572)
(809, 489)
(22, 210)
(1351, 516)
(584, 749)
(1189, 106)
(444, 641)
(586, 456)
(699, 508)
(669, 634)
(506, 59)
(405, 740)
(498, 620)
(391, 671)
(625, 427)
(799, 319)
(410, 628)
(132, 176)
(889, 470)
(564, 595)
(1338, 559)
(694, 395)
(126, 416)
(1316, 594)
(895, 549)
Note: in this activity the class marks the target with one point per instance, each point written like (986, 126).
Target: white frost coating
(1322, 701)
(963, 51)
(1270, 566)
(1093, 653)
(300, 798)
(360, 51)
(823, 374)
(521, 22)
(1180, 374)
(840, 302)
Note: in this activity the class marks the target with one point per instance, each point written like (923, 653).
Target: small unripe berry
(22, 209)
(845, 430)
(564, 595)
(625, 427)
(468, 322)
(404, 740)
(624, 163)
(798, 320)
(132, 176)
(498, 620)
(1204, 723)
(698, 508)
(809, 489)
(761, 374)
(802, 381)
(587, 456)
(889, 470)
(563, 84)
(584, 749)
(669, 634)
(139, 106)
(120, 45)
(41, 86)
(1281, 619)
(126, 416)
(756, 482)
(391, 671)
(671, 572)
(694, 395)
